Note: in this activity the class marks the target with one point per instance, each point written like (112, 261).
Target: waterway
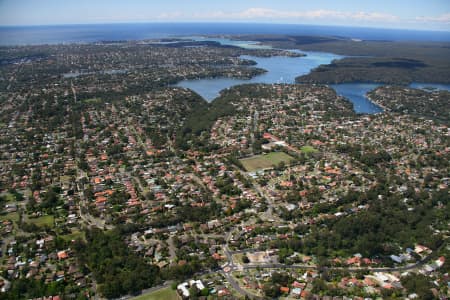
(280, 69)
(105, 72)
(356, 93)
(283, 69)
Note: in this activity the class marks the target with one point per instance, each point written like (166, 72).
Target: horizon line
(220, 22)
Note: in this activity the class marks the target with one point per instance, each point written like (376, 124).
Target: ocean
(64, 34)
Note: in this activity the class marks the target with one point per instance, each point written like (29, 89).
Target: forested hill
(385, 62)
(430, 104)
(370, 61)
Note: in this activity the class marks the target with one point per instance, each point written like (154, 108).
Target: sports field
(265, 161)
(43, 221)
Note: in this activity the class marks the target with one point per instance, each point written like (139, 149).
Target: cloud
(320, 16)
(445, 19)
(171, 15)
(315, 14)
(258, 13)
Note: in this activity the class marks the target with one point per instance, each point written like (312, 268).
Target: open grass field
(93, 100)
(265, 161)
(43, 221)
(164, 294)
(9, 197)
(14, 217)
(65, 179)
(74, 236)
(308, 149)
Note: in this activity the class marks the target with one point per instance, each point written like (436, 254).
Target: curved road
(232, 267)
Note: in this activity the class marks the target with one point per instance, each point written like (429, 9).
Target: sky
(409, 14)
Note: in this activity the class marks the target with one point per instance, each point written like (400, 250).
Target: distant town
(116, 183)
